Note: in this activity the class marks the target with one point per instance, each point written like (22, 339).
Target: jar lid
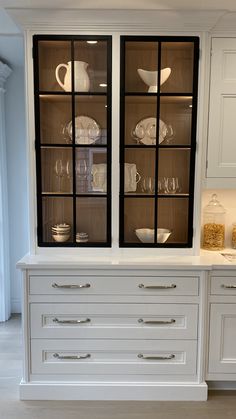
(214, 206)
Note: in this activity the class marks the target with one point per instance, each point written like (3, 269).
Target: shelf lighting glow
(92, 42)
(103, 85)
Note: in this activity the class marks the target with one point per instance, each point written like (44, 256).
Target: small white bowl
(146, 235)
(150, 78)
(60, 238)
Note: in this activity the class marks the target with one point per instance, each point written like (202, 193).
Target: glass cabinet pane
(157, 140)
(173, 215)
(57, 211)
(139, 171)
(91, 215)
(173, 171)
(72, 79)
(91, 170)
(179, 57)
(51, 54)
(55, 119)
(141, 63)
(176, 117)
(91, 119)
(57, 172)
(140, 120)
(138, 220)
(91, 56)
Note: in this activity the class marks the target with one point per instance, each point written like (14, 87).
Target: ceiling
(228, 5)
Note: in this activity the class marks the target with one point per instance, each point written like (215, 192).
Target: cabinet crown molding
(129, 21)
(5, 72)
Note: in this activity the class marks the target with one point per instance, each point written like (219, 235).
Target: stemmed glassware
(82, 172)
(169, 185)
(60, 172)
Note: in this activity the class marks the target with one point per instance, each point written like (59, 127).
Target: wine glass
(81, 169)
(59, 170)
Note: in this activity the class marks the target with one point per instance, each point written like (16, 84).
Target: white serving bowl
(150, 78)
(146, 235)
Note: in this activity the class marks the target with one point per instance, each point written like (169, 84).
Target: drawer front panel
(123, 321)
(223, 285)
(97, 285)
(113, 357)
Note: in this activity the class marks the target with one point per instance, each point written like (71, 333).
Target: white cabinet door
(222, 121)
(222, 349)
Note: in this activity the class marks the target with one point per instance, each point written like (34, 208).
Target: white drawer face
(97, 285)
(223, 285)
(222, 346)
(113, 357)
(107, 321)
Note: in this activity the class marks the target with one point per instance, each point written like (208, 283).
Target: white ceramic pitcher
(82, 82)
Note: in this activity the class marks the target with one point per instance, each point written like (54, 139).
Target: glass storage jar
(234, 236)
(214, 225)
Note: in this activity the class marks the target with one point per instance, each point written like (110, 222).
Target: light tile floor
(221, 405)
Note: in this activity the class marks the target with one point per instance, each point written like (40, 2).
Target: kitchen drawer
(113, 357)
(223, 285)
(122, 321)
(122, 285)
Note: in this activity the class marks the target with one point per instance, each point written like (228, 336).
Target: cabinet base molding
(114, 391)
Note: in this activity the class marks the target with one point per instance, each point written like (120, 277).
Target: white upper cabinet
(221, 153)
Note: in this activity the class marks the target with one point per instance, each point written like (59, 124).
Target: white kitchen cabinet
(221, 154)
(87, 330)
(222, 323)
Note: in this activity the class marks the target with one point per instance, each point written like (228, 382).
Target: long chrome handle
(228, 286)
(70, 286)
(71, 356)
(56, 320)
(157, 287)
(157, 357)
(171, 321)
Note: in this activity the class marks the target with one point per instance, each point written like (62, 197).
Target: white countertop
(205, 261)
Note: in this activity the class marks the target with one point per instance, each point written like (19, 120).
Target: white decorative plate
(87, 130)
(145, 131)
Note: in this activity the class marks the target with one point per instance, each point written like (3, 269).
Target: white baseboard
(15, 305)
(113, 391)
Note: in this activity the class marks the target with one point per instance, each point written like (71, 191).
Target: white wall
(12, 52)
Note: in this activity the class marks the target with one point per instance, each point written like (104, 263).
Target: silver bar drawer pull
(71, 356)
(55, 320)
(70, 287)
(229, 287)
(157, 357)
(157, 287)
(171, 321)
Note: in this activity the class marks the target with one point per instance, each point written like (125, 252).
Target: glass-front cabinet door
(72, 84)
(159, 77)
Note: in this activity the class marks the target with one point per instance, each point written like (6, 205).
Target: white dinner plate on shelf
(87, 130)
(145, 131)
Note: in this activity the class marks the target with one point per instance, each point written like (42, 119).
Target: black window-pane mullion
(73, 139)
(193, 141)
(122, 137)
(108, 142)
(157, 140)
(38, 143)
